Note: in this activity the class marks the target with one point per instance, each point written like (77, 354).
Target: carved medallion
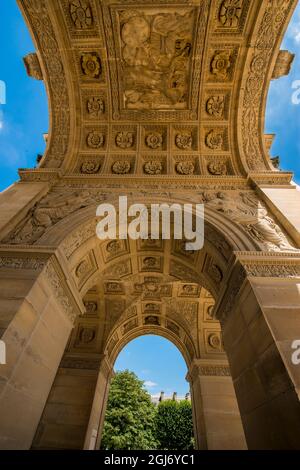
(95, 140)
(153, 168)
(230, 13)
(214, 341)
(81, 14)
(90, 167)
(184, 141)
(215, 106)
(91, 307)
(214, 140)
(87, 335)
(114, 246)
(95, 107)
(91, 65)
(82, 269)
(154, 140)
(185, 168)
(217, 169)
(221, 64)
(121, 167)
(125, 140)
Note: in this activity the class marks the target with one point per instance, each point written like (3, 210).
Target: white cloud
(150, 384)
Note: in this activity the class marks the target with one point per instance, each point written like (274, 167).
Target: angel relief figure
(47, 212)
(156, 57)
(250, 213)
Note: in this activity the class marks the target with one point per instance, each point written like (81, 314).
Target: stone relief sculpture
(48, 212)
(246, 211)
(156, 54)
(253, 216)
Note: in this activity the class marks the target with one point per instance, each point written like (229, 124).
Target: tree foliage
(174, 425)
(130, 416)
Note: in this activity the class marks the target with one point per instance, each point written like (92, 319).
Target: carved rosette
(121, 167)
(220, 64)
(184, 140)
(217, 169)
(214, 140)
(185, 168)
(81, 14)
(91, 65)
(153, 168)
(125, 140)
(230, 13)
(154, 140)
(95, 140)
(215, 106)
(90, 167)
(95, 107)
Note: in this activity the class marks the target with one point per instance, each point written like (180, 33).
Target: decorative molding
(273, 18)
(38, 16)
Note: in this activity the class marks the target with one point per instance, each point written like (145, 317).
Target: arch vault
(162, 101)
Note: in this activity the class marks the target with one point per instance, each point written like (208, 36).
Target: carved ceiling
(157, 88)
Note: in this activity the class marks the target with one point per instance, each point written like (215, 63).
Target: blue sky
(156, 361)
(24, 119)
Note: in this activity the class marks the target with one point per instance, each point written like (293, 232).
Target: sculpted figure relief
(48, 212)
(252, 215)
(156, 57)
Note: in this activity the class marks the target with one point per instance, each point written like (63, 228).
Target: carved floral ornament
(184, 140)
(90, 167)
(121, 167)
(215, 106)
(214, 140)
(230, 13)
(125, 140)
(185, 168)
(81, 14)
(221, 64)
(91, 65)
(154, 140)
(95, 140)
(153, 168)
(217, 169)
(95, 107)
(114, 247)
(214, 341)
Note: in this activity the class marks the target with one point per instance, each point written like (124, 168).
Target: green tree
(174, 425)
(130, 416)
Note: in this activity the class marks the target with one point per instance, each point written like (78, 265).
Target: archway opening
(151, 413)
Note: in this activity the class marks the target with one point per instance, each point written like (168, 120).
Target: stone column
(217, 419)
(37, 310)
(260, 317)
(96, 422)
(65, 419)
